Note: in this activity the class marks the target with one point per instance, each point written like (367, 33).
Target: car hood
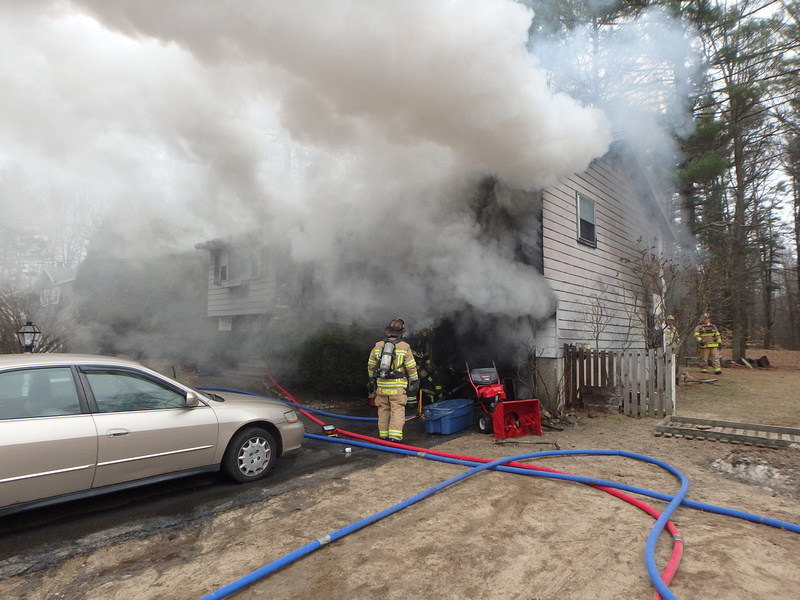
(242, 399)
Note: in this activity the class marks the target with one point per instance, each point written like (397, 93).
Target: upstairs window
(221, 266)
(587, 232)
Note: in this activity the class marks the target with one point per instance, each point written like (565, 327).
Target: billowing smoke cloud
(647, 72)
(359, 130)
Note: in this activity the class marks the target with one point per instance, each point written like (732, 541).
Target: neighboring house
(250, 284)
(56, 312)
(54, 286)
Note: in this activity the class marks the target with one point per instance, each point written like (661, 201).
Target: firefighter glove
(413, 387)
(372, 387)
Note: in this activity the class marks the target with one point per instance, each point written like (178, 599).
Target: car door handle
(118, 432)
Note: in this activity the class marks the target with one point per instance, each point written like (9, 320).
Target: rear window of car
(38, 393)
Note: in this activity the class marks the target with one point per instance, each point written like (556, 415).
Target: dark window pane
(587, 232)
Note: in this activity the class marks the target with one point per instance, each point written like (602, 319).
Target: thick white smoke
(358, 129)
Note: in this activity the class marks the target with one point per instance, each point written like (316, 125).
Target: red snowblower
(500, 415)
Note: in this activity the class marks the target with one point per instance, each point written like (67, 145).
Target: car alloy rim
(253, 456)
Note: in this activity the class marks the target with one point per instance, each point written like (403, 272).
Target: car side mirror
(192, 399)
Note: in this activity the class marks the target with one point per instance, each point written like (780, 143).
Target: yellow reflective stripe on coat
(410, 364)
(707, 336)
(372, 363)
(400, 359)
(391, 391)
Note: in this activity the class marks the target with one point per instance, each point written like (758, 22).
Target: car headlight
(290, 416)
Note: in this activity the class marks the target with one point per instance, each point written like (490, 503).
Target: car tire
(250, 455)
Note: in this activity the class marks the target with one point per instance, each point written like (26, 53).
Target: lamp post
(28, 336)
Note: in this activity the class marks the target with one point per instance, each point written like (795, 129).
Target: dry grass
(764, 396)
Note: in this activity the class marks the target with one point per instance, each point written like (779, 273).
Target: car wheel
(250, 455)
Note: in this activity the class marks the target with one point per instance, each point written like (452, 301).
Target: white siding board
(253, 297)
(576, 271)
(605, 176)
(571, 266)
(563, 257)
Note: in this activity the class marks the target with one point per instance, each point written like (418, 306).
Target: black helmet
(396, 328)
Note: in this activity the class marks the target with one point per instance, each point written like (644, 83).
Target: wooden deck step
(750, 434)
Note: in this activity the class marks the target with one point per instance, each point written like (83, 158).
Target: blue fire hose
(336, 535)
(499, 465)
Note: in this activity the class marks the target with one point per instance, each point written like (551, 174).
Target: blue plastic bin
(205, 369)
(448, 416)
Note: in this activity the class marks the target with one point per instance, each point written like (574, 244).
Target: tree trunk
(796, 214)
(739, 255)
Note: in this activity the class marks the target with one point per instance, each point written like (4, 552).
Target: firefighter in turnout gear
(430, 381)
(393, 374)
(670, 334)
(708, 343)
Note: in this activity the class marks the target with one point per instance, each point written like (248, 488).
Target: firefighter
(430, 381)
(709, 343)
(670, 334)
(393, 374)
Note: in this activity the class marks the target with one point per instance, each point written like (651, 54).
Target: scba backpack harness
(384, 369)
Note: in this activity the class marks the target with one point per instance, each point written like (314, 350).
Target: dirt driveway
(494, 535)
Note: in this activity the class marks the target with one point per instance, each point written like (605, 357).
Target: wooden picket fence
(643, 379)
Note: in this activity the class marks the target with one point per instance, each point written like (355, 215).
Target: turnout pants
(391, 415)
(710, 358)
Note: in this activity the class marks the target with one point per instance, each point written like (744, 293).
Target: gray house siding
(250, 283)
(240, 296)
(585, 277)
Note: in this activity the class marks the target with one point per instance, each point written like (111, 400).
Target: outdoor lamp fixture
(28, 336)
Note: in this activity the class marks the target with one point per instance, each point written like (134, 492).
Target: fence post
(567, 376)
(652, 381)
(641, 377)
(613, 369)
(581, 377)
(672, 372)
(625, 382)
(660, 365)
(604, 368)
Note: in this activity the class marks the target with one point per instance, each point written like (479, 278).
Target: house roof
(623, 148)
(58, 275)
(212, 245)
